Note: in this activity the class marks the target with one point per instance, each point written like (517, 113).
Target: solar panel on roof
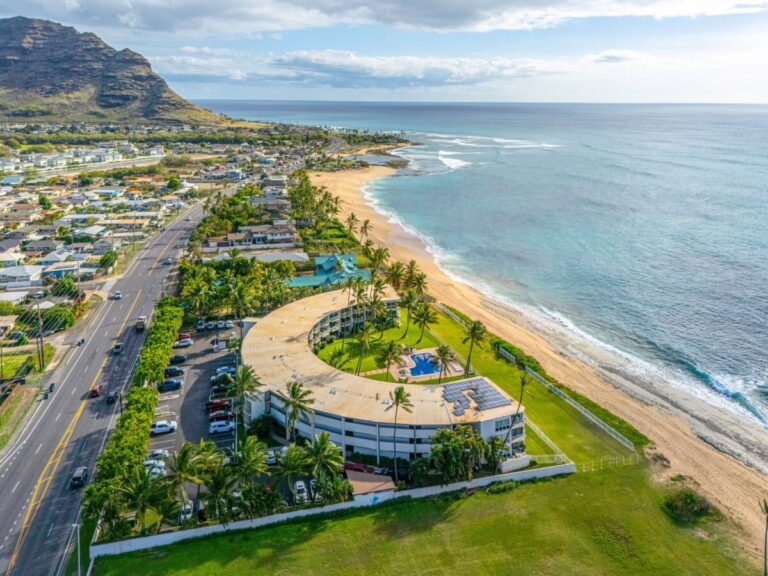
(480, 390)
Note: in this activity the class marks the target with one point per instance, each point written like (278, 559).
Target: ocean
(639, 229)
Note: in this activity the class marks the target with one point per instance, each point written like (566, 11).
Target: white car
(300, 491)
(154, 463)
(159, 454)
(162, 427)
(225, 370)
(221, 427)
(183, 343)
(188, 219)
(185, 515)
(271, 458)
(156, 473)
(117, 295)
(220, 324)
(228, 324)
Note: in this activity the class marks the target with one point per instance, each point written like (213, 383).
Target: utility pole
(40, 340)
(79, 556)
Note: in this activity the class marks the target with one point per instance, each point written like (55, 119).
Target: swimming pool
(424, 364)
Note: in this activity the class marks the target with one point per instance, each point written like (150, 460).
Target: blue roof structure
(478, 389)
(330, 271)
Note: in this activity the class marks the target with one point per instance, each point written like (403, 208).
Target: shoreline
(734, 487)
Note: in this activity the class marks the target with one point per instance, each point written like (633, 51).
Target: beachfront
(734, 487)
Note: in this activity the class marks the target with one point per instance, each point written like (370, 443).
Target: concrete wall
(365, 500)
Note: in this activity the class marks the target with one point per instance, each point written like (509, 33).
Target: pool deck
(402, 371)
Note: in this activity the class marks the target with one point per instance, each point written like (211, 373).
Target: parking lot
(187, 406)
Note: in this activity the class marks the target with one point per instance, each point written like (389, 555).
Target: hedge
(158, 347)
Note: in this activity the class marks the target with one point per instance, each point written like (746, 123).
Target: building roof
(365, 483)
(277, 347)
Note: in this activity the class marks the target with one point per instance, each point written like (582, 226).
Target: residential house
(8, 259)
(21, 276)
(62, 269)
(44, 246)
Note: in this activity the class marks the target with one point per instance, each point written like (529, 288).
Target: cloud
(342, 69)
(249, 17)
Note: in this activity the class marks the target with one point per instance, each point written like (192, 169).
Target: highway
(37, 509)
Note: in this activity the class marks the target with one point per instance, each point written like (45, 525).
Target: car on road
(210, 325)
(300, 491)
(169, 385)
(183, 343)
(220, 324)
(228, 324)
(188, 219)
(118, 348)
(96, 391)
(162, 427)
(178, 358)
(221, 427)
(271, 458)
(117, 295)
(168, 261)
(113, 396)
(225, 370)
(79, 478)
(221, 416)
(172, 371)
(200, 325)
(159, 454)
(217, 405)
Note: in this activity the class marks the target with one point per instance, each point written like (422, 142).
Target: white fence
(612, 432)
(146, 542)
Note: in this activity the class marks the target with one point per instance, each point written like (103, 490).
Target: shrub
(688, 507)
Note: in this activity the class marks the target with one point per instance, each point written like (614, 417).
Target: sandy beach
(735, 488)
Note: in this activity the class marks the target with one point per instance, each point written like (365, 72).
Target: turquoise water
(424, 363)
(640, 228)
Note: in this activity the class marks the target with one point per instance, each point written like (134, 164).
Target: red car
(358, 467)
(96, 391)
(217, 405)
(220, 416)
(185, 336)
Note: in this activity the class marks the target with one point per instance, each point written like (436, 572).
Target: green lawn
(608, 523)
(581, 440)
(12, 362)
(534, 445)
(352, 346)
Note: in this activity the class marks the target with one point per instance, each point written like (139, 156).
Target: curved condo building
(353, 409)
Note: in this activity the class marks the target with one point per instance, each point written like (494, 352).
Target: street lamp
(79, 559)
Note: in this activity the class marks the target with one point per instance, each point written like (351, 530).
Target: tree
(44, 202)
(219, 481)
(259, 500)
(388, 354)
(444, 357)
(351, 223)
(292, 464)
(59, 317)
(183, 467)
(245, 382)
(250, 461)
(107, 260)
(419, 283)
(398, 399)
(141, 493)
(364, 339)
(455, 453)
(475, 333)
(297, 403)
(334, 489)
(395, 275)
(174, 183)
(423, 316)
(379, 257)
(365, 229)
(409, 301)
(337, 358)
(324, 457)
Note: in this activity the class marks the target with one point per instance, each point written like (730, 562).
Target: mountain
(50, 72)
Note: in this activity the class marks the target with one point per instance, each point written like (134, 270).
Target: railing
(612, 432)
(555, 448)
(607, 462)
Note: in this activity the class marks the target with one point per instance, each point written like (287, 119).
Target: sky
(438, 50)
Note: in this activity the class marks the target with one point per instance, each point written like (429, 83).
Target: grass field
(352, 346)
(607, 523)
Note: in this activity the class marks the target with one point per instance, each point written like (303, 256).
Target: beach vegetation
(689, 507)
(476, 334)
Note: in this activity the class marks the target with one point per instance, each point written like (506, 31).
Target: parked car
(217, 405)
(219, 389)
(220, 324)
(221, 427)
(79, 478)
(210, 325)
(184, 343)
(225, 370)
(118, 348)
(221, 416)
(96, 391)
(300, 491)
(220, 379)
(185, 336)
(113, 396)
(117, 295)
(271, 458)
(162, 427)
(178, 358)
(228, 324)
(156, 473)
(200, 325)
(159, 454)
(169, 385)
(172, 371)
(153, 463)
(185, 515)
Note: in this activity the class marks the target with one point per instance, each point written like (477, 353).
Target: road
(37, 510)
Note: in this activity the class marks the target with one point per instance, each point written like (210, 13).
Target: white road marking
(57, 417)
(38, 448)
(15, 486)
(49, 530)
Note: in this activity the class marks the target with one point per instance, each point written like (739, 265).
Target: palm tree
(365, 229)
(524, 381)
(219, 483)
(337, 358)
(166, 509)
(351, 223)
(411, 270)
(364, 338)
(420, 283)
(141, 493)
(324, 457)
(388, 354)
(334, 489)
(444, 357)
(207, 457)
(395, 275)
(398, 399)
(409, 301)
(379, 257)
(245, 382)
(293, 463)
(297, 403)
(475, 334)
(250, 462)
(423, 316)
(182, 468)
(764, 509)
(367, 248)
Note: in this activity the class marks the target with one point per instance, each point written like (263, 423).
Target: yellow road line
(51, 467)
